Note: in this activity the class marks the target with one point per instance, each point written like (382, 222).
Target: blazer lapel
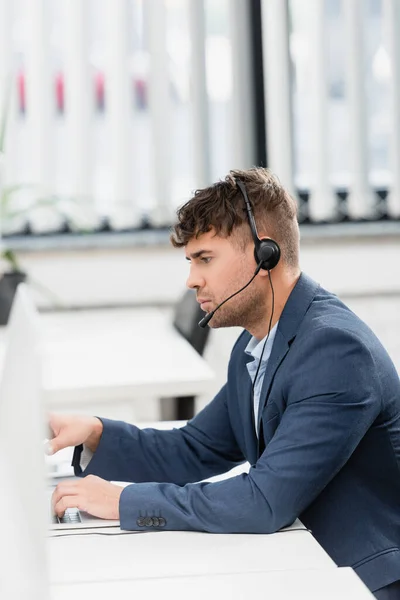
(292, 315)
(279, 351)
(247, 411)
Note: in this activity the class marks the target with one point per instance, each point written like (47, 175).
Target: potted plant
(8, 285)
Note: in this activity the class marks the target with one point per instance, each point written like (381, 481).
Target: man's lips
(203, 302)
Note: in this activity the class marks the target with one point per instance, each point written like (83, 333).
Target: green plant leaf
(10, 256)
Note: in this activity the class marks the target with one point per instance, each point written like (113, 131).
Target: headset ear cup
(268, 252)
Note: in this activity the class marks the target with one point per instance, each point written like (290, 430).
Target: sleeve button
(162, 522)
(156, 522)
(148, 521)
(140, 522)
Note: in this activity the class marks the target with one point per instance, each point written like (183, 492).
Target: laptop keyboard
(71, 516)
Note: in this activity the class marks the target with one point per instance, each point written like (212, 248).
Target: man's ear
(264, 273)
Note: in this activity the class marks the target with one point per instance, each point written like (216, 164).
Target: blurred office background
(118, 109)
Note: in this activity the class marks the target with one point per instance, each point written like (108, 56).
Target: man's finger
(66, 488)
(68, 502)
(53, 427)
(58, 443)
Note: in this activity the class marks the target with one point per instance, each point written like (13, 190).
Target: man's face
(218, 268)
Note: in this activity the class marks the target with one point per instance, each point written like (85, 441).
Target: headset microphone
(205, 320)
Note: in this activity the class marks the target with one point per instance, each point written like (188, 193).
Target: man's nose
(194, 281)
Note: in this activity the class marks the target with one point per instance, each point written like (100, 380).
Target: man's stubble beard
(244, 310)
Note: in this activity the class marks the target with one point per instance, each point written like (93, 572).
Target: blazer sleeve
(333, 396)
(206, 446)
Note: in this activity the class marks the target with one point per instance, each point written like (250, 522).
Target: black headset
(266, 251)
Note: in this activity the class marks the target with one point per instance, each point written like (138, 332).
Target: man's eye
(206, 259)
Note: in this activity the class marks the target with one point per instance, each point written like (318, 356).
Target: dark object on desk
(187, 315)
(8, 286)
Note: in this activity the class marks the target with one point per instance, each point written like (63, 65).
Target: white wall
(157, 274)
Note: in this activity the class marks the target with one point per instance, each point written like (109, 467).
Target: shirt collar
(255, 347)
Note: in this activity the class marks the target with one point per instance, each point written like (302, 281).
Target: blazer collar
(296, 306)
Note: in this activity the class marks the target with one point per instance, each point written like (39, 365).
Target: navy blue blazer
(328, 450)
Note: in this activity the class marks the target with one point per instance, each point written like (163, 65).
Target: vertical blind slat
(360, 202)
(119, 85)
(5, 74)
(241, 128)
(12, 170)
(5, 50)
(79, 103)
(40, 102)
(277, 86)
(322, 200)
(160, 111)
(39, 92)
(200, 109)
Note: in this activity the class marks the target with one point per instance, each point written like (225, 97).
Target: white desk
(153, 555)
(330, 584)
(103, 360)
(280, 566)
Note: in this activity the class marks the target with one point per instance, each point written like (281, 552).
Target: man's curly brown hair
(221, 207)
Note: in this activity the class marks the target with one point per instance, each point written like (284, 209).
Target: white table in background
(322, 584)
(103, 361)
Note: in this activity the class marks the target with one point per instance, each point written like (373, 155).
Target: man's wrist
(94, 438)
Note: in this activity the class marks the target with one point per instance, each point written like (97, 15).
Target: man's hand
(91, 494)
(72, 431)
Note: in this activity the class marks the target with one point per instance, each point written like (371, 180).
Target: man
(312, 401)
